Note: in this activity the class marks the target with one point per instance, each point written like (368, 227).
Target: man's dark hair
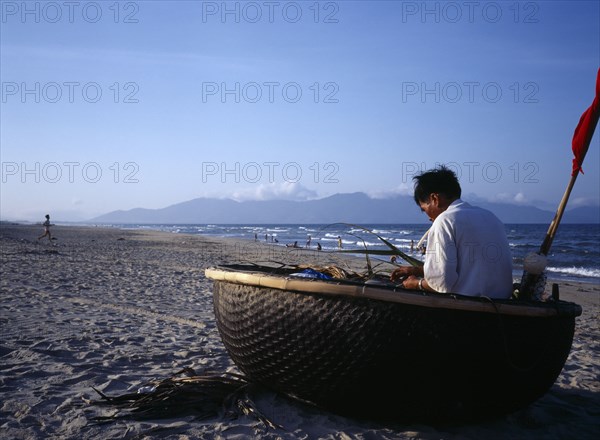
(441, 180)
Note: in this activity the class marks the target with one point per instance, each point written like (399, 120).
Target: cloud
(520, 198)
(517, 199)
(577, 202)
(400, 190)
(284, 191)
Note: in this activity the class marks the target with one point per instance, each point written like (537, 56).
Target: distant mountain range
(348, 208)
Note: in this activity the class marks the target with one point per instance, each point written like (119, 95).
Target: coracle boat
(380, 352)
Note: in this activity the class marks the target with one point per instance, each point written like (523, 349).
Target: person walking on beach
(308, 240)
(46, 225)
(467, 248)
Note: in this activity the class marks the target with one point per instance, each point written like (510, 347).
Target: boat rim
(336, 287)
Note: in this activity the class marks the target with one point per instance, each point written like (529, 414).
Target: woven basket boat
(378, 352)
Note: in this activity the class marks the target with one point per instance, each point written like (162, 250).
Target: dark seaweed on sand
(204, 396)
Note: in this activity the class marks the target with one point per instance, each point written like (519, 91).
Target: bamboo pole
(547, 243)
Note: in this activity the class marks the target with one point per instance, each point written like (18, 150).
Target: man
(467, 249)
(46, 226)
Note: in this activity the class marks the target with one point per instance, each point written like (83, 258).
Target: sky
(112, 105)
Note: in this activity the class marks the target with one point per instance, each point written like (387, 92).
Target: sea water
(574, 255)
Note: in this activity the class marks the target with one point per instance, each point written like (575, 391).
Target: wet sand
(112, 309)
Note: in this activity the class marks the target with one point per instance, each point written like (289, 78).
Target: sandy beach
(113, 309)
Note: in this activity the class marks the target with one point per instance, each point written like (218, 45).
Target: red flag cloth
(585, 130)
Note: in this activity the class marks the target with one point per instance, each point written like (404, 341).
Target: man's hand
(412, 283)
(406, 271)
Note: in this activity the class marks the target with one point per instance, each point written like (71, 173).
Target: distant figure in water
(46, 225)
(294, 245)
(412, 245)
(318, 246)
(308, 241)
(339, 242)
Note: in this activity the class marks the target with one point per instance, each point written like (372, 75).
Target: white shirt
(468, 253)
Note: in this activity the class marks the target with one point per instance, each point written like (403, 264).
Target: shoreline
(112, 308)
(565, 280)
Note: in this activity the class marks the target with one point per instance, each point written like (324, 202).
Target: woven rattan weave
(353, 354)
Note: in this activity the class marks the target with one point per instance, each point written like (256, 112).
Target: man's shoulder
(456, 208)
(460, 209)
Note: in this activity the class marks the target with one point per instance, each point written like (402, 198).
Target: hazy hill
(349, 208)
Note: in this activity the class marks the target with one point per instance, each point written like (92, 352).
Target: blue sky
(115, 105)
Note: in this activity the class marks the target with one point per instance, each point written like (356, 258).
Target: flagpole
(534, 265)
(547, 243)
(533, 280)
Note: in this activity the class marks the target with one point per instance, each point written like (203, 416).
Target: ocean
(574, 256)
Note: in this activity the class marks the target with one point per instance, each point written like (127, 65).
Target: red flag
(585, 130)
